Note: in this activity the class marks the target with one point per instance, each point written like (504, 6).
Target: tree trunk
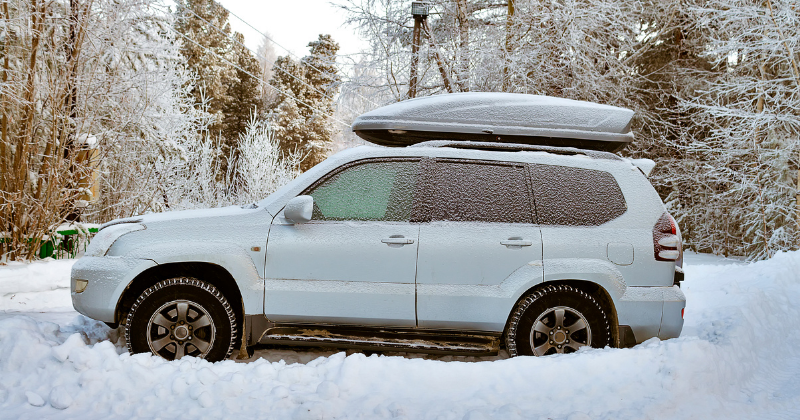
(439, 61)
(756, 145)
(67, 136)
(796, 74)
(412, 80)
(462, 77)
(18, 215)
(507, 52)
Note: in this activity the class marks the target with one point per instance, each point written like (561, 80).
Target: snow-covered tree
(302, 116)
(145, 118)
(228, 93)
(94, 99)
(748, 163)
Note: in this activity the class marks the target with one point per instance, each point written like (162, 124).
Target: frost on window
(377, 191)
(479, 192)
(575, 196)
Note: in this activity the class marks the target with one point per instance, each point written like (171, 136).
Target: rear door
(355, 261)
(478, 240)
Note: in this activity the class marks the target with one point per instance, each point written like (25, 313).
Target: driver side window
(371, 191)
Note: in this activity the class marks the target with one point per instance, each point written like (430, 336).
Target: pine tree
(303, 125)
(244, 93)
(231, 94)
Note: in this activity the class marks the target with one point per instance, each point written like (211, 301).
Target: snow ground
(738, 358)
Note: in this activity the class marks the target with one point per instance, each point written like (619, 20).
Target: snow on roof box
(498, 117)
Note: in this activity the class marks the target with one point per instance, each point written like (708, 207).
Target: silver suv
(444, 246)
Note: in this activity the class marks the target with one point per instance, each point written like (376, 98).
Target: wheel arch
(590, 287)
(211, 273)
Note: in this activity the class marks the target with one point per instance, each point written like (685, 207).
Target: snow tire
(581, 305)
(205, 301)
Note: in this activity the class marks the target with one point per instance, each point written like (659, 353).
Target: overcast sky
(292, 23)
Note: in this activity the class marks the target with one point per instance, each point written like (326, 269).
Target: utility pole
(419, 10)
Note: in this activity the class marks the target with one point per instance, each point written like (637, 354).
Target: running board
(382, 340)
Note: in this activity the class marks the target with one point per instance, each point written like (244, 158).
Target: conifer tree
(231, 94)
(303, 125)
(244, 93)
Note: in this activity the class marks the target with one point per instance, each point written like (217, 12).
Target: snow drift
(737, 358)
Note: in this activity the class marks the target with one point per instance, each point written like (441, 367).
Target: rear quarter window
(575, 196)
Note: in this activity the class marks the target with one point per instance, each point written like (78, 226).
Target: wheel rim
(560, 330)
(180, 328)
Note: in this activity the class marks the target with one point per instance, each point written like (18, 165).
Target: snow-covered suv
(444, 246)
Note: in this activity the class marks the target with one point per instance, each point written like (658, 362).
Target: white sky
(292, 24)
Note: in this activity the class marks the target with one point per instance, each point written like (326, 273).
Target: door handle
(516, 242)
(397, 241)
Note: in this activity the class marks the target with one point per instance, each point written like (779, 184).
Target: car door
(355, 261)
(479, 243)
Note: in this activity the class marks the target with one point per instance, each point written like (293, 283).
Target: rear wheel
(557, 319)
(182, 317)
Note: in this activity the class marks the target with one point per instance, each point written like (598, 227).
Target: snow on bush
(737, 359)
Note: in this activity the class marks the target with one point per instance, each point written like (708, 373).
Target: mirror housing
(299, 209)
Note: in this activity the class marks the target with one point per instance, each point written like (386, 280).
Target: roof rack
(514, 147)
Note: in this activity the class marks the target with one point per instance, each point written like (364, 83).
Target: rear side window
(575, 196)
(372, 191)
(466, 191)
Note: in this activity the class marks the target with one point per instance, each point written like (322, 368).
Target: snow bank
(737, 359)
(35, 287)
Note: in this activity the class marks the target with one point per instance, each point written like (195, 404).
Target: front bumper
(108, 277)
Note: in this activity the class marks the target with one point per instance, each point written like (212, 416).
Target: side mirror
(299, 209)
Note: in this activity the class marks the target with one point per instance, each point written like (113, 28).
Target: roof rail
(514, 147)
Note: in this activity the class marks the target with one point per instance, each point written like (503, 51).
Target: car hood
(199, 216)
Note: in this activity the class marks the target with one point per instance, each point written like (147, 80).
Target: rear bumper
(672, 317)
(652, 311)
(108, 277)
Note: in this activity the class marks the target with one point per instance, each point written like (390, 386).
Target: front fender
(232, 258)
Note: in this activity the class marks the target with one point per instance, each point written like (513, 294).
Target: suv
(444, 246)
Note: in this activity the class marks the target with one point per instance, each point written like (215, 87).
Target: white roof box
(498, 117)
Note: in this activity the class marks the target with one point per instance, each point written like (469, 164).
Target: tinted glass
(575, 196)
(479, 192)
(369, 191)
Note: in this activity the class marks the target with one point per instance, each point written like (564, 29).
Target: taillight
(666, 240)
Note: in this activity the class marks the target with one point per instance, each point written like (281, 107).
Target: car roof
(508, 152)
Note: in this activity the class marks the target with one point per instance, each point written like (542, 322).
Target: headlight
(101, 242)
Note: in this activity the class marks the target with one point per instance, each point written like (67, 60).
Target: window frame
(426, 185)
(414, 201)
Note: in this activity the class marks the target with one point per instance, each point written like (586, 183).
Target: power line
(257, 78)
(286, 49)
(260, 56)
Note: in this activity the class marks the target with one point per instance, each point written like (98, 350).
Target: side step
(382, 340)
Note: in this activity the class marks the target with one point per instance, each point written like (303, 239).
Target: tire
(541, 323)
(182, 316)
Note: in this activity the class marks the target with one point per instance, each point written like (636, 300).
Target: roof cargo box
(498, 117)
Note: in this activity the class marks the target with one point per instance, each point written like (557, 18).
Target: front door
(478, 246)
(355, 261)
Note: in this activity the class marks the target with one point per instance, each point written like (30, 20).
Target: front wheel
(182, 317)
(557, 319)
